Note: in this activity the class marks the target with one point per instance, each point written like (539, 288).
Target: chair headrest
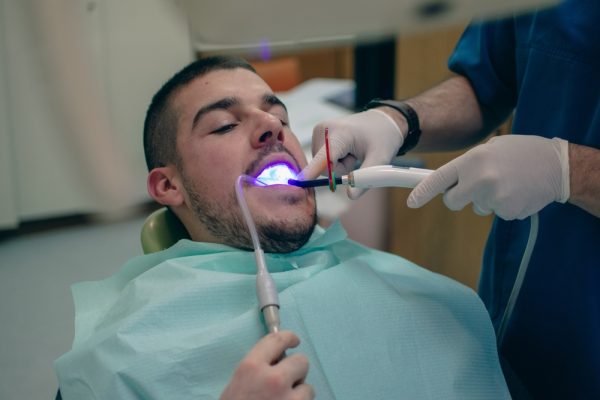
(161, 230)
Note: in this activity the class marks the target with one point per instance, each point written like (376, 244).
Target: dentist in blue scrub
(544, 69)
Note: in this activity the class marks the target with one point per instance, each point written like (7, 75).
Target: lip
(274, 158)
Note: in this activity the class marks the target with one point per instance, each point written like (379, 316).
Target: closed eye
(282, 117)
(224, 128)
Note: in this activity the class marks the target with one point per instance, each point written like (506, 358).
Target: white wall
(7, 202)
(74, 126)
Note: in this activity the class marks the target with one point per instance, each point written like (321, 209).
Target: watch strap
(412, 119)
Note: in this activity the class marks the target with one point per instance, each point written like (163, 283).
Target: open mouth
(277, 173)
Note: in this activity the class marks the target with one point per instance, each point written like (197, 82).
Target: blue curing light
(275, 174)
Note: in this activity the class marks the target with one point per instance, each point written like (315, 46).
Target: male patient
(183, 323)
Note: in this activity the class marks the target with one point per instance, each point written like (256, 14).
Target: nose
(268, 131)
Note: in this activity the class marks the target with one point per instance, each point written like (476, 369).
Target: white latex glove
(513, 176)
(370, 137)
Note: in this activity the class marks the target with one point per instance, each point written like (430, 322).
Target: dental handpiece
(373, 177)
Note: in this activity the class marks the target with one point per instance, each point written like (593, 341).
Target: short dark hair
(160, 125)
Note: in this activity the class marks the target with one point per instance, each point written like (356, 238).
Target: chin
(292, 219)
(287, 233)
(274, 240)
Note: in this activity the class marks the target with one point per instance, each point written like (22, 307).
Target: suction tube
(514, 294)
(266, 291)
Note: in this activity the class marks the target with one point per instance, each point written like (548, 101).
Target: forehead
(215, 85)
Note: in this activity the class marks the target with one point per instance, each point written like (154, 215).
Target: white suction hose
(514, 294)
(266, 290)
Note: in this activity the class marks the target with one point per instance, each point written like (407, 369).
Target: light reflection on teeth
(275, 174)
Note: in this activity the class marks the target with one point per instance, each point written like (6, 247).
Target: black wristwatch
(412, 119)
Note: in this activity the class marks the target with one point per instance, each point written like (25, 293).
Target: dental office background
(76, 78)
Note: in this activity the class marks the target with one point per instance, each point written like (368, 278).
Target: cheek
(216, 173)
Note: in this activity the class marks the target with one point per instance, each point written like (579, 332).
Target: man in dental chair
(183, 323)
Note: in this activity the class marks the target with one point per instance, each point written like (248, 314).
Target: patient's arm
(262, 374)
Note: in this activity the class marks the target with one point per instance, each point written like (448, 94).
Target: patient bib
(175, 324)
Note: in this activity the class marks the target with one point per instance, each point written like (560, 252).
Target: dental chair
(161, 230)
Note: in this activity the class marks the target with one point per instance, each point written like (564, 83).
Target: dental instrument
(366, 178)
(330, 172)
(266, 291)
(372, 177)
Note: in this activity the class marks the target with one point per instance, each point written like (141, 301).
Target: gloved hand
(513, 176)
(371, 137)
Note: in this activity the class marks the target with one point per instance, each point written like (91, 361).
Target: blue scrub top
(545, 67)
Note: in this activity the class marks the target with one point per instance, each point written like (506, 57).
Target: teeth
(276, 174)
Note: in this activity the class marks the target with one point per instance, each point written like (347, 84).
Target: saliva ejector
(266, 291)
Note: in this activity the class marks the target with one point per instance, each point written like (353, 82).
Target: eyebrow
(273, 100)
(223, 104)
(228, 102)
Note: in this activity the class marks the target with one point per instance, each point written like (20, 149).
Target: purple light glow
(265, 50)
(275, 174)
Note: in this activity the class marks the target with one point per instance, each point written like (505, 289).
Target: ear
(165, 187)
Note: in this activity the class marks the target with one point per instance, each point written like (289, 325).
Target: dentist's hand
(513, 176)
(263, 375)
(371, 137)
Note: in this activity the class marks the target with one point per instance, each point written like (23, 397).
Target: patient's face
(230, 124)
